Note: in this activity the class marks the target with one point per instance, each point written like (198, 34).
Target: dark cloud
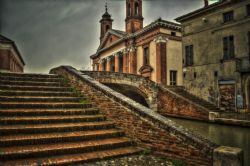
(55, 32)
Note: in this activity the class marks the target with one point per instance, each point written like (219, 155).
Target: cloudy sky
(50, 33)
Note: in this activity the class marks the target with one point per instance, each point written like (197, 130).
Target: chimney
(206, 3)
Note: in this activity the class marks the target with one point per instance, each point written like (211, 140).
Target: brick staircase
(45, 122)
(194, 99)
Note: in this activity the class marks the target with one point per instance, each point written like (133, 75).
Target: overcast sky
(50, 33)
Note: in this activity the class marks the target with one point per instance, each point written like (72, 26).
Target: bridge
(170, 101)
(147, 127)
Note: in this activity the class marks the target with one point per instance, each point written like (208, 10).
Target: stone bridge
(167, 101)
(140, 85)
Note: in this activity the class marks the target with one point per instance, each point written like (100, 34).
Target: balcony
(243, 64)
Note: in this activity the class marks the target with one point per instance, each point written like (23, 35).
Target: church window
(107, 27)
(146, 56)
(173, 33)
(173, 77)
(129, 10)
(136, 8)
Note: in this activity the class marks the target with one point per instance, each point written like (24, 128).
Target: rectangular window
(248, 9)
(173, 33)
(228, 16)
(146, 56)
(228, 44)
(173, 77)
(189, 55)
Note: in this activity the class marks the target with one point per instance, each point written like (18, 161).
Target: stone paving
(135, 160)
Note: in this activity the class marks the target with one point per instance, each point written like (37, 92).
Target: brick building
(153, 51)
(216, 52)
(10, 58)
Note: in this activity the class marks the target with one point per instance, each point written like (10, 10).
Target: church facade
(153, 51)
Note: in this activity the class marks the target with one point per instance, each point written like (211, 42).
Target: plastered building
(216, 53)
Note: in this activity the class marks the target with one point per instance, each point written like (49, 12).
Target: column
(117, 62)
(133, 61)
(100, 66)
(125, 55)
(108, 67)
(161, 60)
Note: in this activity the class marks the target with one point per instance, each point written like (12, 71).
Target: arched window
(136, 8)
(129, 9)
(107, 27)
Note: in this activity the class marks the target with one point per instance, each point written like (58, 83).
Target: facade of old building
(10, 58)
(216, 53)
(153, 51)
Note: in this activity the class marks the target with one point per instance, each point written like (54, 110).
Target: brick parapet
(145, 126)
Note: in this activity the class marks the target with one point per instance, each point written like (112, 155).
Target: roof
(124, 36)
(4, 39)
(205, 9)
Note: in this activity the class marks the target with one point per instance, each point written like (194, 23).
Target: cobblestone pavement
(136, 160)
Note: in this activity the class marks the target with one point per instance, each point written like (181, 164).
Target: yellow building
(154, 51)
(216, 52)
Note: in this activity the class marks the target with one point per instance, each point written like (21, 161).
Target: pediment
(110, 37)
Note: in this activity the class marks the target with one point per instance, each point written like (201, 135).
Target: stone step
(40, 99)
(48, 112)
(49, 138)
(50, 119)
(76, 159)
(33, 88)
(36, 93)
(33, 79)
(8, 153)
(29, 75)
(61, 127)
(33, 83)
(15, 105)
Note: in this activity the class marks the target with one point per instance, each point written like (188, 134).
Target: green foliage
(179, 163)
(82, 101)
(146, 152)
(65, 81)
(76, 92)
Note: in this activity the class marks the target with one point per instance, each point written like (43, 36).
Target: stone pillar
(228, 156)
(108, 67)
(117, 62)
(161, 60)
(100, 66)
(133, 61)
(125, 60)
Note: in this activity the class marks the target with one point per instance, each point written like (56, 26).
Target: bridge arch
(146, 88)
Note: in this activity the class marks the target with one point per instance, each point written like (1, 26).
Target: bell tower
(134, 19)
(106, 22)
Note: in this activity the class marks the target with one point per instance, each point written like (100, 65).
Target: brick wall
(162, 100)
(147, 128)
(169, 104)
